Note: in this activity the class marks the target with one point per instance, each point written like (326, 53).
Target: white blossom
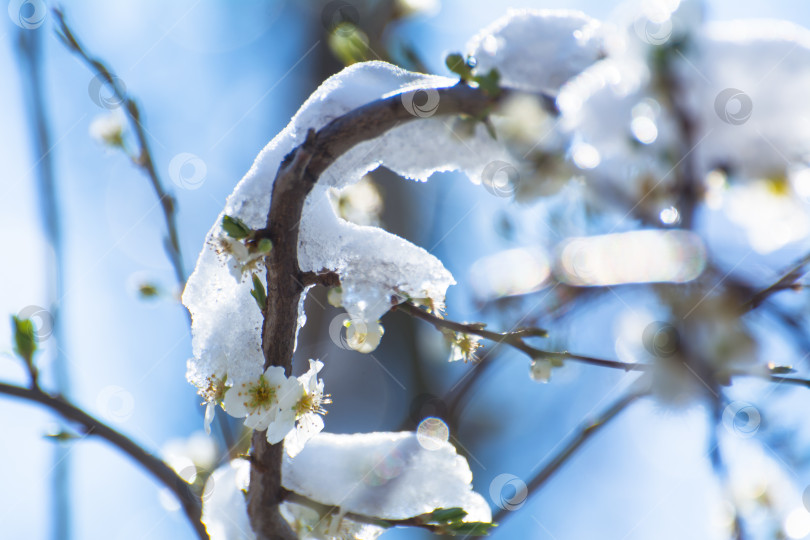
(739, 83)
(759, 488)
(108, 129)
(781, 216)
(258, 398)
(305, 412)
(754, 130)
(464, 347)
(239, 258)
(362, 336)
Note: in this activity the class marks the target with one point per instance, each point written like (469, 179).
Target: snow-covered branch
(296, 177)
(356, 486)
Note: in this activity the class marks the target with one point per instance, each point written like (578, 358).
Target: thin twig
(718, 463)
(515, 339)
(143, 160)
(787, 281)
(92, 426)
(584, 432)
(790, 380)
(420, 522)
(455, 398)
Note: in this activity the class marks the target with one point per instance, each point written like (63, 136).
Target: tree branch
(675, 94)
(586, 431)
(31, 62)
(420, 522)
(295, 178)
(790, 380)
(515, 339)
(787, 281)
(719, 466)
(144, 159)
(92, 426)
(327, 279)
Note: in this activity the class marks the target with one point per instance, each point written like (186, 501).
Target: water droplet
(432, 433)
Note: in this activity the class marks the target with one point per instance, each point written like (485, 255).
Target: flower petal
(308, 426)
(283, 424)
(261, 419)
(235, 401)
(289, 393)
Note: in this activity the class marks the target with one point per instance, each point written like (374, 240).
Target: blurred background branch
(582, 434)
(164, 474)
(142, 157)
(30, 58)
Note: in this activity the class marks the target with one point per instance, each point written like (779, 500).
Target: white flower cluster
(239, 257)
(289, 408)
(464, 347)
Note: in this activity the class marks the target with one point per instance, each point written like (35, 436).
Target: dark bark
(295, 179)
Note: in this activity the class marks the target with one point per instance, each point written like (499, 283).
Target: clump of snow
(537, 50)
(377, 475)
(224, 510)
(388, 475)
(225, 514)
